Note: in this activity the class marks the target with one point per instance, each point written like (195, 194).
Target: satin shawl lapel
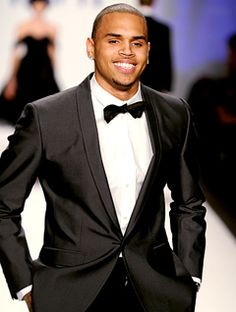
(91, 143)
(153, 125)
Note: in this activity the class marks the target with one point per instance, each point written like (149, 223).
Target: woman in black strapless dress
(32, 75)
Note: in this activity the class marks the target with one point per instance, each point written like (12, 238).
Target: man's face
(120, 51)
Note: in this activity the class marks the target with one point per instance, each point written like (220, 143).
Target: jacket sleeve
(19, 164)
(187, 213)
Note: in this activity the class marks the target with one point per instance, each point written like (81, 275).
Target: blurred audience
(213, 101)
(158, 72)
(32, 72)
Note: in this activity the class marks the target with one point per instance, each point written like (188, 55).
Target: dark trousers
(117, 295)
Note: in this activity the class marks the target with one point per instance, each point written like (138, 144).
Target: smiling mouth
(124, 66)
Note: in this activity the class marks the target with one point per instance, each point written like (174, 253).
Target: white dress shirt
(125, 149)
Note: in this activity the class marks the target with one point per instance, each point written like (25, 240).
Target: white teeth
(125, 65)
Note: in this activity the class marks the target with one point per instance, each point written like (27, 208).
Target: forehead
(123, 23)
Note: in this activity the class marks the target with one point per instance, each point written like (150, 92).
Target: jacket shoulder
(61, 103)
(164, 101)
(171, 113)
(55, 101)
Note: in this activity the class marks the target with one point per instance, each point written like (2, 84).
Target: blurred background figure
(32, 73)
(213, 102)
(158, 73)
(226, 105)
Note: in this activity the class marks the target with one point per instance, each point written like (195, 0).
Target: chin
(122, 85)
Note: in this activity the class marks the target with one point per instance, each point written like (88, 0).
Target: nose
(126, 50)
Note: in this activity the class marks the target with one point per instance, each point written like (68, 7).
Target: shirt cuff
(197, 281)
(20, 294)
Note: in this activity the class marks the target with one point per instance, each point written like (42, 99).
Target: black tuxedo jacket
(158, 74)
(56, 141)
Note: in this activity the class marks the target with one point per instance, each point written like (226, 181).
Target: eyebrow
(141, 37)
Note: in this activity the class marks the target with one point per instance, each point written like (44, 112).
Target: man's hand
(28, 299)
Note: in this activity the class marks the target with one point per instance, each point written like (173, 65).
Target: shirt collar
(105, 98)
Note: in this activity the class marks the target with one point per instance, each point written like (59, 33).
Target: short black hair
(146, 2)
(115, 8)
(32, 1)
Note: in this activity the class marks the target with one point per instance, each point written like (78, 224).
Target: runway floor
(217, 293)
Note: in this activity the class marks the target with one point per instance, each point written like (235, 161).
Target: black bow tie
(135, 109)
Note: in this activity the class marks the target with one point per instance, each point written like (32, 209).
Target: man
(158, 74)
(103, 173)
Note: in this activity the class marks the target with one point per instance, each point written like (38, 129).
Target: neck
(122, 92)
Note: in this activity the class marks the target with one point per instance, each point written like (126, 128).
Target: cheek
(101, 64)
(103, 57)
(142, 59)
(145, 56)
(106, 51)
(99, 54)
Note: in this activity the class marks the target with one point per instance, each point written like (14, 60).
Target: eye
(113, 41)
(137, 44)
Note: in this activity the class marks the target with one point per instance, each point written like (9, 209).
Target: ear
(148, 50)
(90, 48)
(149, 47)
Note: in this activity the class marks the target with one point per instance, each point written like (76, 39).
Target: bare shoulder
(52, 29)
(23, 29)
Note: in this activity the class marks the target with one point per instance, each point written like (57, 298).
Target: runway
(217, 293)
